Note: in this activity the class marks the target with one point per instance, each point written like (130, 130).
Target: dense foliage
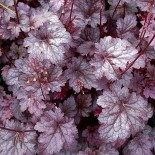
(77, 77)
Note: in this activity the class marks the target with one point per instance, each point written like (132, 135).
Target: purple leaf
(123, 113)
(57, 132)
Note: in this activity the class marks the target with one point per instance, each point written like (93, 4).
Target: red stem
(41, 87)
(40, 84)
(148, 18)
(115, 8)
(144, 30)
(101, 9)
(7, 57)
(17, 16)
(140, 54)
(141, 40)
(70, 16)
(124, 9)
(3, 128)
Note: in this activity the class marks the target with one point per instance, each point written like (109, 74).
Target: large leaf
(57, 132)
(123, 113)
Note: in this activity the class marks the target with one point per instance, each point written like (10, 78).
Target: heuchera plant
(77, 77)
